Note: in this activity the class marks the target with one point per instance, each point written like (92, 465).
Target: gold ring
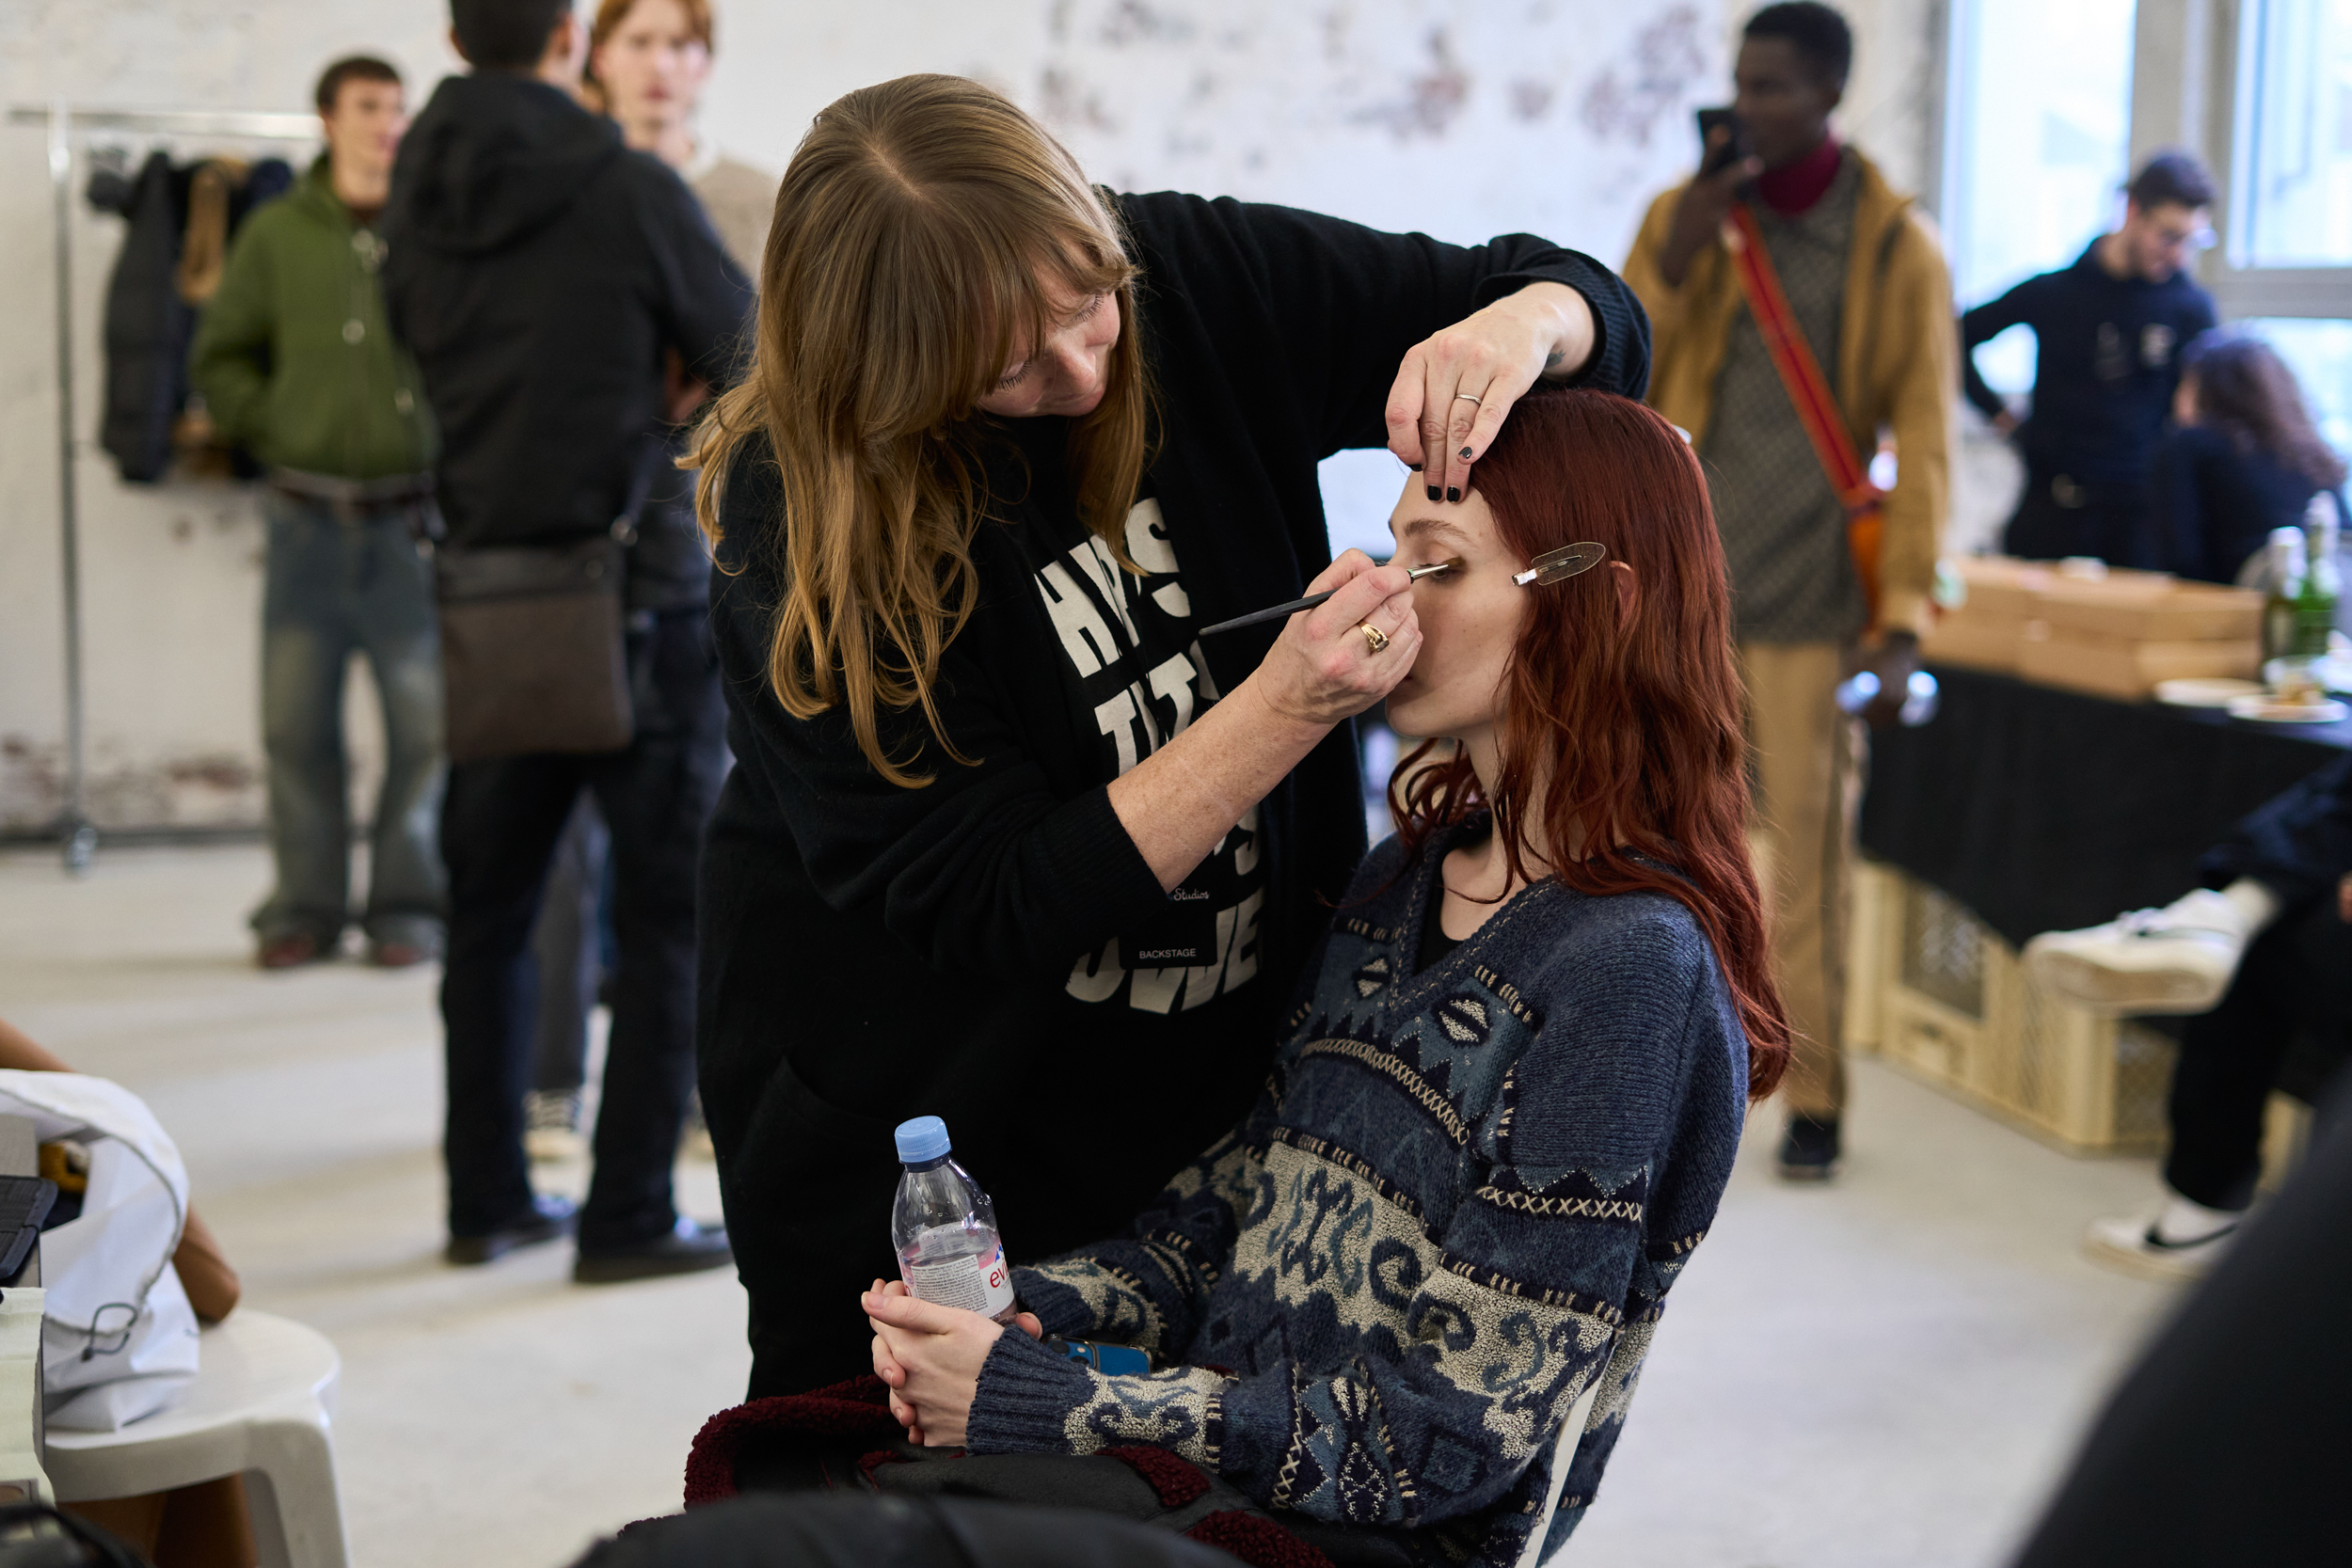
(1373, 636)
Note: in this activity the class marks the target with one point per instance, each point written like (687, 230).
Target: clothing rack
(66, 123)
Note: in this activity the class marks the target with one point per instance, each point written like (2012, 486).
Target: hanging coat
(148, 324)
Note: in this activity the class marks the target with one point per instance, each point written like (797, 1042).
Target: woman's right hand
(1323, 667)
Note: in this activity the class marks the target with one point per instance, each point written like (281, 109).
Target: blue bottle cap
(923, 1138)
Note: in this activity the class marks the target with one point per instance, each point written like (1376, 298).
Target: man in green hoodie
(296, 364)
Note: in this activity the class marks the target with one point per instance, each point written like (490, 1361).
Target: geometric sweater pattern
(1460, 1200)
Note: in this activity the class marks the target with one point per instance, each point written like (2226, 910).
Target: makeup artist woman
(1007, 842)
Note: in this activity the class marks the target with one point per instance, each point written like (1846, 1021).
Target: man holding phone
(1801, 319)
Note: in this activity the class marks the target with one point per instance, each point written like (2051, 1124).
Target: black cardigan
(871, 953)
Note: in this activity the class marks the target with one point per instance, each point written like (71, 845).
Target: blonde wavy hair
(915, 236)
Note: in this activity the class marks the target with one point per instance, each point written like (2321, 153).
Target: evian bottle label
(977, 1281)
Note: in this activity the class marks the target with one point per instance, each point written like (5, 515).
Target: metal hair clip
(1561, 564)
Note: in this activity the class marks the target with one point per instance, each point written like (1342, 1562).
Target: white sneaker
(2176, 960)
(2179, 1241)
(551, 1126)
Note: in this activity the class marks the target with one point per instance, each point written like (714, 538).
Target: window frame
(2192, 87)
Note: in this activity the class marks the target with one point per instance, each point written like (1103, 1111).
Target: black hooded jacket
(539, 271)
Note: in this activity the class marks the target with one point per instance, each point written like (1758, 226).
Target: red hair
(1630, 723)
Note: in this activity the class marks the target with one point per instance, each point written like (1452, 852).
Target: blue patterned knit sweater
(1460, 1201)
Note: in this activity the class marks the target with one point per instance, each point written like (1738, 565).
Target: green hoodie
(294, 356)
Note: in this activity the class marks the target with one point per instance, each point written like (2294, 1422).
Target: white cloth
(119, 1339)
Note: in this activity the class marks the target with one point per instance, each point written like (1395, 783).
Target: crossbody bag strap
(1815, 405)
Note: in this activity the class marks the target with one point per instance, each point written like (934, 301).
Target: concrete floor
(1888, 1372)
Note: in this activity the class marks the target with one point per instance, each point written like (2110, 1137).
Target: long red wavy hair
(1619, 732)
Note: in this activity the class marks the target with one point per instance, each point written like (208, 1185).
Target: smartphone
(1713, 159)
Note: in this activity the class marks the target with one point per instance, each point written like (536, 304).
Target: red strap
(1816, 407)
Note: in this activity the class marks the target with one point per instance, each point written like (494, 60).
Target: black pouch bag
(532, 651)
(534, 657)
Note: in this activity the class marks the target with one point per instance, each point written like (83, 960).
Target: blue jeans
(339, 586)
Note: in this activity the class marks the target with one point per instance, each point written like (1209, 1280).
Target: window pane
(2040, 136)
(2296, 127)
(2320, 354)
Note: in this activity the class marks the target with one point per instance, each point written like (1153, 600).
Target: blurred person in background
(2108, 332)
(2261, 952)
(2242, 458)
(1864, 279)
(294, 363)
(648, 61)
(542, 271)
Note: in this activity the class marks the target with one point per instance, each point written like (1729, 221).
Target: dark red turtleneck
(1793, 187)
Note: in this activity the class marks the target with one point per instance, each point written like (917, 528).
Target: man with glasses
(2108, 331)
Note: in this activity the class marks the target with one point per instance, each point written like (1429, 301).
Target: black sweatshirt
(2107, 357)
(992, 948)
(2218, 499)
(539, 270)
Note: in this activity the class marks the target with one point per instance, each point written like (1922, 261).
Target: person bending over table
(1511, 1093)
(2243, 457)
(1006, 842)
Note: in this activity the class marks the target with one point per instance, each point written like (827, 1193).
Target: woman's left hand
(1454, 388)
(930, 1356)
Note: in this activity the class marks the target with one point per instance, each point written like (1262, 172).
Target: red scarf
(1793, 187)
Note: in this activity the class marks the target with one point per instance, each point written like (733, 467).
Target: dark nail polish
(1466, 454)
(1433, 492)
(1452, 493)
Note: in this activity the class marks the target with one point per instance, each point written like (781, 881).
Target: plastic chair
(263, 1395)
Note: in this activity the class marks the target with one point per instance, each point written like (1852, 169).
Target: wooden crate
(1935, 992)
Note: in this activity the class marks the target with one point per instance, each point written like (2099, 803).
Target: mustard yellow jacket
(1896, 372)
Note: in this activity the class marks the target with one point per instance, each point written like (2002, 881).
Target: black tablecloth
(2044, 809)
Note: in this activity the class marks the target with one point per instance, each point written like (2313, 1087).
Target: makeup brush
(1276, 613)
(1561, 564)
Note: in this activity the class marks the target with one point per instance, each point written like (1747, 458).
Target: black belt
(391, 493)
(2073, 495)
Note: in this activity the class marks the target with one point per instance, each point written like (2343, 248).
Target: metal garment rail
(65, 123)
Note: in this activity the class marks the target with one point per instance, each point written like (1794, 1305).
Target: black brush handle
(1274, 613)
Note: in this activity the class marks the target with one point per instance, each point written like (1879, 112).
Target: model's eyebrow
(1428, 528)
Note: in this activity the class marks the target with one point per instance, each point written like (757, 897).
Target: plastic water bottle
(944, 1227)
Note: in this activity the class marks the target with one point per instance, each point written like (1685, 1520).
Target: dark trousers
(2056, 517)
(499, 830)
(2295, 980)
(2231, 1058)
(567, 945)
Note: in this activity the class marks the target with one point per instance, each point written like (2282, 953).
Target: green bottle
(2322, 587)
(2286, 572)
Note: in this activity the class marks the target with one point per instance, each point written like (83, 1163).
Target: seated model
(1514, 1082)
(2262, 951)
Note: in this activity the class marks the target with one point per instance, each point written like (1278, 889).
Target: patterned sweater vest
(1458, 1204)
